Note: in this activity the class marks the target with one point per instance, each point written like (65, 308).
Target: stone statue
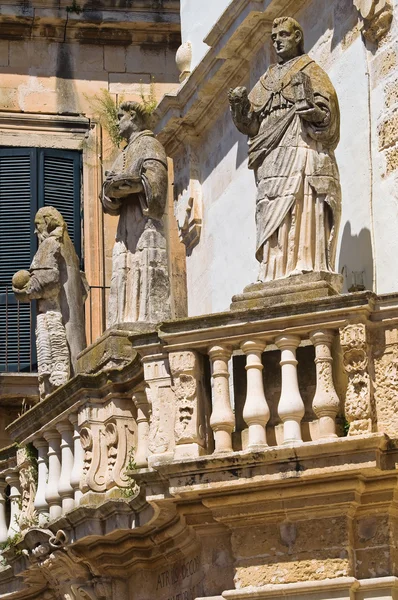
(292, 119)
(56, 282)
(136, 189)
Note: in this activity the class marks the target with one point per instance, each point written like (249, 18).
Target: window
(29, 179)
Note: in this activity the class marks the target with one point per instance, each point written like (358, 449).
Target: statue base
(296, 288)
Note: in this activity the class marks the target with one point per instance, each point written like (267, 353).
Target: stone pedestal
(297, 288)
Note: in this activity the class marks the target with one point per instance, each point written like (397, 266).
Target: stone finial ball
(20, 279)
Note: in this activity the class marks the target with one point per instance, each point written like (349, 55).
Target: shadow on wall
(356, 259)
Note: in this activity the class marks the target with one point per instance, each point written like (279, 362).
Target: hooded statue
(136, 190)
(56, 282)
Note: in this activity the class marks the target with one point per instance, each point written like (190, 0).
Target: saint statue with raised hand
(293, 122)
(136, 190)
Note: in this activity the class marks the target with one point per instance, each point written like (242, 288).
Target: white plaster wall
(354, 250)
(385, 184)
(223, 263)
(197, 19)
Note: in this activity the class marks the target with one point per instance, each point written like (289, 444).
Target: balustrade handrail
(169, 405)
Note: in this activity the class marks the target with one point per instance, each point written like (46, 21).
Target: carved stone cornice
(58, 22)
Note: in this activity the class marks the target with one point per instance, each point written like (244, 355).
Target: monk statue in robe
(292, 119)
(136, 190)
(60, 288)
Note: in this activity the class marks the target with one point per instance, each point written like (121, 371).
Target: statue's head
(132, 118)
(49, 222)
(288, 38)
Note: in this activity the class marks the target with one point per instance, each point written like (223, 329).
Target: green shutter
(18, 203)
(29, 179)
(59, 186)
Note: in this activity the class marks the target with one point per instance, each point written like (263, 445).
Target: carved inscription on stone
(182, 581)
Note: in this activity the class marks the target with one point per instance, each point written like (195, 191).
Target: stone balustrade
(191, 389)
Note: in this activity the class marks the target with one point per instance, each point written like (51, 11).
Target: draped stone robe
(298, 189)
(140, 289)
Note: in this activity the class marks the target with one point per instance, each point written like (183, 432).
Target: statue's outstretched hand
(237, 96)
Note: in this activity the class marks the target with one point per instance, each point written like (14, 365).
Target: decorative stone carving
(27, 479)
(107, 434)
(292, 119)
(376, 16)
(136, 190)
(184, 59)
(67, 575)
(55, 280)
(186, 384)
(161, 399)
(357, 406)
(189, 206)
(385, 355)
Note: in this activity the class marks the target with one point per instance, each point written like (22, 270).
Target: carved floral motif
(354, 344)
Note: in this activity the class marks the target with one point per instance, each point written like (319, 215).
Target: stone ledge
(318, 590)
(67, 398)
(296, 288)
(278, 465)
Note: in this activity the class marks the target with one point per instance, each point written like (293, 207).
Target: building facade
(246, 448)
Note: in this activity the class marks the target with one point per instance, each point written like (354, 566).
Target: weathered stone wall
(56, 60)
(364, 74)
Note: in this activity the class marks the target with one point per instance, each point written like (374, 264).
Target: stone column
(12, 480)
(255, 412)
(141, 452)
(54, 471)
(40, 502)
(222, 420)
(291, 407)
(3, 521)
(326, 403)
(78, 462)
(65, 489)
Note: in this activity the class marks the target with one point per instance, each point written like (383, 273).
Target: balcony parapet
(256, 386)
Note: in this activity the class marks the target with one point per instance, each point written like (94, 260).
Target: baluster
(291, 407)
(141, 452)
(326, 403)
(65, 489)
(222, 418)
(40, 502)
(3, 521)
(12, 480)
(78, 462)
(54, 471)
(256, 412)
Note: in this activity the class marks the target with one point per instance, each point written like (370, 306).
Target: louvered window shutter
(18, 202)
(29, 179)
(59, 186)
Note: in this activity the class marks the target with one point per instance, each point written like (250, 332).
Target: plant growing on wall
(105, 108)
